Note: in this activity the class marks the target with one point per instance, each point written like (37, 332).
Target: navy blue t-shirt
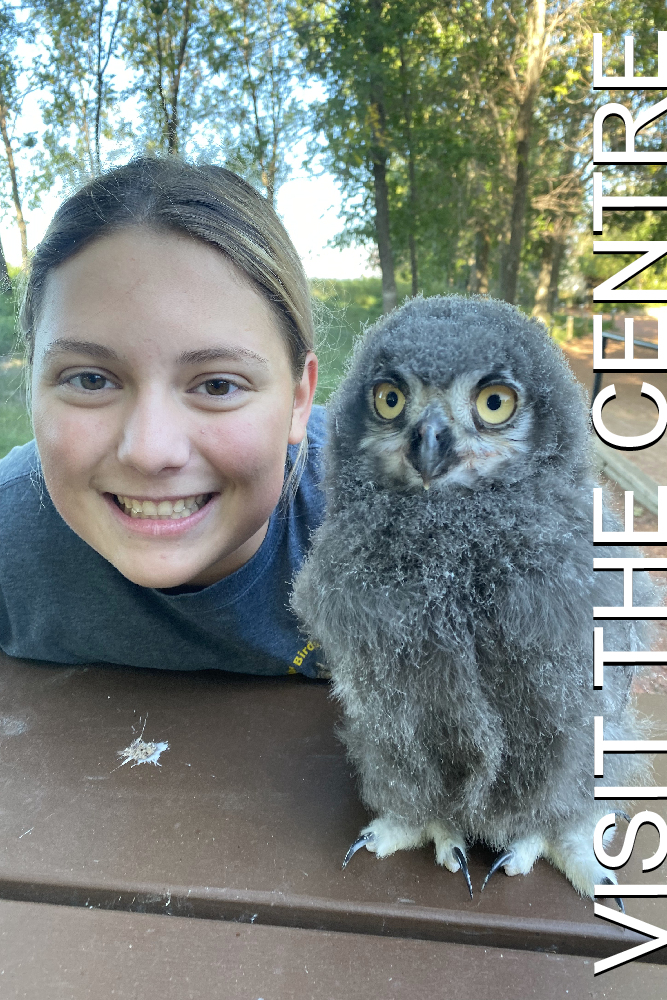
(62, 601)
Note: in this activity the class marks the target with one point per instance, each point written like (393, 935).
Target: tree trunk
(413, 265)
(99, 77)
(173, 120)
(413, 220)
(479, 279)
(20, 221)
(269, 184)
(412, 184)
(513, 251)
(535, 40)
(5, 280)
(101, 70)
(541, 307)
(379, 158)
(554, 277)
(383, 234)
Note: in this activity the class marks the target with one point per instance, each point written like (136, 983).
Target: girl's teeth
(164, 510)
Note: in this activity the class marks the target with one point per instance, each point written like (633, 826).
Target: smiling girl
(166, 503)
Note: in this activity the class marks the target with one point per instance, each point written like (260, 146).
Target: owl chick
(451, 587)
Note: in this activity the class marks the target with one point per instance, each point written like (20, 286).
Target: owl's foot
(498, 863)
(605, 880)
(463, 865)
(450, 849)
(386, 836)
(363, 841)
(573, 855)
(519, 858)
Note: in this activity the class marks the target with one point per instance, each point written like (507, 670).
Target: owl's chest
(438, 563)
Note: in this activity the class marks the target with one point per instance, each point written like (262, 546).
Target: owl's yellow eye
(389, 400)
(496, 403)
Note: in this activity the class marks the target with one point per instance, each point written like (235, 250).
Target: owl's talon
(501, 860)
(366, 838)
(461, 858)
(619, 902)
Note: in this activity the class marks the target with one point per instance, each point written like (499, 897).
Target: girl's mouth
(161, 510)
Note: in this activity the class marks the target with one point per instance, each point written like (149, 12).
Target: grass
(7, 323)
(14, 420)
(15, 425)
(562, 330)
(342, 310)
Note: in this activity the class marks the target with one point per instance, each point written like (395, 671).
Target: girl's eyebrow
(221, 353)
(64, 345)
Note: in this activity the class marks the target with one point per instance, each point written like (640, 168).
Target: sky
(307, 203)
(309, 206)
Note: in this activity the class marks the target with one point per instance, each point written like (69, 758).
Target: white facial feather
(483, 451)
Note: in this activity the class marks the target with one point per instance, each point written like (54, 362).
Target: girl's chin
(155, 573)
(155, 581)
(161, 554)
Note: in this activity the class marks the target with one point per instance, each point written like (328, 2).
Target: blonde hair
(205, 202)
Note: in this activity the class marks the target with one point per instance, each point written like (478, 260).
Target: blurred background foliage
(459, 134)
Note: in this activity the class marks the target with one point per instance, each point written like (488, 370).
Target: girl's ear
(303, 399)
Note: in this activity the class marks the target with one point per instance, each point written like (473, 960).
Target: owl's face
(424, 436)
(450, 391)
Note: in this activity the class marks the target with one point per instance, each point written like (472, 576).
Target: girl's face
(163, 403)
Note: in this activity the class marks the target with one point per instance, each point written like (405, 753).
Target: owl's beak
(431, 448)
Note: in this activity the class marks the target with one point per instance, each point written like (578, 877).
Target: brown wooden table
(244, 826)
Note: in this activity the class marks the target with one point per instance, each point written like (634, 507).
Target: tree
(559, 162)
(426, 145)
(381, 65)
(464, 162)
(559, 181)
(104, 49)
(166, 43)
(11, 164)
(10, 99)
(78, 42)
(5, 280)
(644, 18)
(257, 59)
(527, 85)
(515, 43)
(343, 47)
(456, 134)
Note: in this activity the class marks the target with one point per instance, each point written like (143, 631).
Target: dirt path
(629, 413)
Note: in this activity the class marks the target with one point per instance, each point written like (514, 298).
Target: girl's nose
(154, 436)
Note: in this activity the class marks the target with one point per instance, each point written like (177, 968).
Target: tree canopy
(459, 133)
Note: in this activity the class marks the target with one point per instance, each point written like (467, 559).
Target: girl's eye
(89, 380)
(218, 387)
